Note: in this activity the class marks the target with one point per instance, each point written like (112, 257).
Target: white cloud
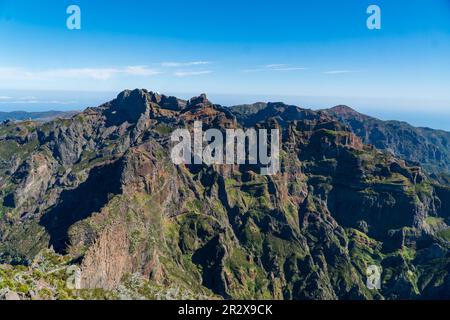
(275, 67)
(140, 71)
(27, 98)
(5, 98)
(289, 69)
(92, 73)
(184, 64)
(191, 73)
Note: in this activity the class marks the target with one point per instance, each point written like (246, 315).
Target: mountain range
(37, 116)
(428, 147)
(96, 199)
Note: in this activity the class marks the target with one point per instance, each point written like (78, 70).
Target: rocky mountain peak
(283, 113)
(172, 103)
(346, 111)
(127, 107)
(201, 109)
(200, 101)
(167, 102)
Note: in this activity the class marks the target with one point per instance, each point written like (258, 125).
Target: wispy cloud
(91, 73)
(191, 73)
(276, 67)
(289, 69)
(140, 71)
(184, 64)
(28, 98)
(5, 98)
(341, 71)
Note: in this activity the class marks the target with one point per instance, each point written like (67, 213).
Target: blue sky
(314, 53)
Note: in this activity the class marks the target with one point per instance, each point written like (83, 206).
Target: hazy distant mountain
(38, 116)
(426, 147)
(429, 147)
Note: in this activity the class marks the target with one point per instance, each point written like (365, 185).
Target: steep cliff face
(101, 189)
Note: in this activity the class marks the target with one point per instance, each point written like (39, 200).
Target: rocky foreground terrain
(92, 207)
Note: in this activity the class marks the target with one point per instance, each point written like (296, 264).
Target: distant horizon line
(256, 97)
(421, 117)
